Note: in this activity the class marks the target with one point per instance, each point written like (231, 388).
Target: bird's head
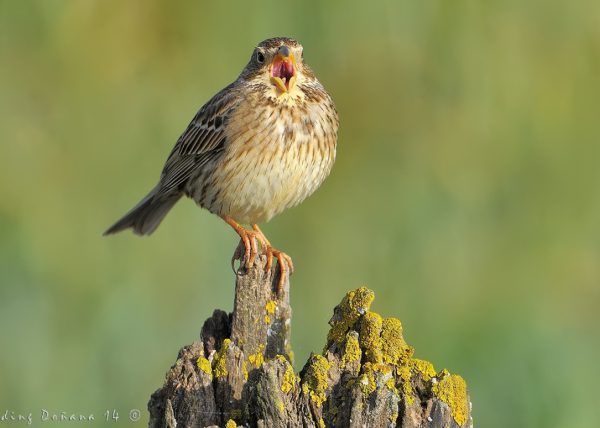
(277, 64)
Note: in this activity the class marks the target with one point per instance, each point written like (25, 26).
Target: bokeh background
(466, 193)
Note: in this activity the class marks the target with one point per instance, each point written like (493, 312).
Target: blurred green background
(466, 193)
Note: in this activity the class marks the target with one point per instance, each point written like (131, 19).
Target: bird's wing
(203, 140)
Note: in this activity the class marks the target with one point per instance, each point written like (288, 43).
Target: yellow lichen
(230, 424)
(393, 347)
(280, 406)
(259, 358)
(354, 304)
(372, 374)
(405, 375)
(220, 370)
(452, 390)
(370, 340)
(245, 370)
(391, 384)
(387, 359)
(204, 365)
(366, 381)
(289, 378)
(425, 368)
(352, 352)
(321, 423)
(315, 379)
(270, 307)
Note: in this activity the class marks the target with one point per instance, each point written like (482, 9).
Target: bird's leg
(283, 259)
(247, 238)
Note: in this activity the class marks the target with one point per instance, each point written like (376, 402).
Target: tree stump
(240, 372)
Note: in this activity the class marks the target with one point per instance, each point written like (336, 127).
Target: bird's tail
(145, 217)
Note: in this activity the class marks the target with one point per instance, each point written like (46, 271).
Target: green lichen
(353, 305)
(370, 336)
(220, 370)
(315, 379)
(230, 424)
(452, 390)
(352, 351)
(425, 368)
(204, 365)
(393, 347)
(333, 411)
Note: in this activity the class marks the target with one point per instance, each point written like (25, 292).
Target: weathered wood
(261, 313)
(240, 371)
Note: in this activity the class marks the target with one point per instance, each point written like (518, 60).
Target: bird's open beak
(283, 70)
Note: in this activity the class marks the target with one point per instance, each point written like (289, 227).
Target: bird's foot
(247, 250)
(285, 261)
(285, 264)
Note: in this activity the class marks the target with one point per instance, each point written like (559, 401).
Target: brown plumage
(261, 145)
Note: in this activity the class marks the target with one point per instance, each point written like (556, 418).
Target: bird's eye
(260, 57)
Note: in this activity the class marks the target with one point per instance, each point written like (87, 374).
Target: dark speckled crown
(278, 41)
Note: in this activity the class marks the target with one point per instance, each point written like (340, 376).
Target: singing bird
(259, 146)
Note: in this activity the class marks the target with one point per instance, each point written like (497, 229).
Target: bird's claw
(249, 246)
(282, 258)
(247, 250)
(285, 264)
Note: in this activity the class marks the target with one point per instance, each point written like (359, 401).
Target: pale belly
(257, 178)
(258, 184)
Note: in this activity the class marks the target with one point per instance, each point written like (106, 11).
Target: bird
(261, 145)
